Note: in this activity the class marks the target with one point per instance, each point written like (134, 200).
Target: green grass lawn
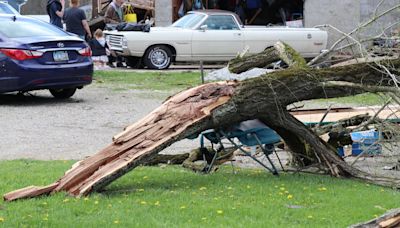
(175, 197)
(164, 81)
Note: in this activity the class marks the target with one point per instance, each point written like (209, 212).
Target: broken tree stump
(217, 105)
(391, 219)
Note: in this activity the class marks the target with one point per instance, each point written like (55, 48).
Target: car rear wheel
(62, 93)
(134, 62)
(158, 57)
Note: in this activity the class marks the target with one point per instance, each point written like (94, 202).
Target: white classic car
(208, 35)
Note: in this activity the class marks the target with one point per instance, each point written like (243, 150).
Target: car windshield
(189, 20)
(7, 9)
(21, 27)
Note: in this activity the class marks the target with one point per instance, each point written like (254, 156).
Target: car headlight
(124, 42)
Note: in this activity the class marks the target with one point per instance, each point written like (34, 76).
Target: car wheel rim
(159, 58)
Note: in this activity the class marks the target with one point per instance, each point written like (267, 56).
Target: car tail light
(19, 54)
(85, 51)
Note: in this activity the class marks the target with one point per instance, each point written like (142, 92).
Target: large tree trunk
(217, 105)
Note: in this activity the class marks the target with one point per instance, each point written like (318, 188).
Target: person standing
(114, 13)
(55, 10)
(75, 20)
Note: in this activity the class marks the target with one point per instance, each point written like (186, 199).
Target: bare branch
(365, 24)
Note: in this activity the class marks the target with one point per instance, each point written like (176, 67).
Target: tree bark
(218, 105)
(280, 51)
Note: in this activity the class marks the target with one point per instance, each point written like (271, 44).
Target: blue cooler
(364, 141)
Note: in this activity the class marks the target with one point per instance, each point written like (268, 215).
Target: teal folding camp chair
(248, 133)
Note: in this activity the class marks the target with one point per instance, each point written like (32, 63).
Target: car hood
(152, 30)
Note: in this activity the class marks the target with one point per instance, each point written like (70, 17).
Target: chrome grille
(115, 42)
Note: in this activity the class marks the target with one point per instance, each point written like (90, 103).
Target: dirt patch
(40, 127)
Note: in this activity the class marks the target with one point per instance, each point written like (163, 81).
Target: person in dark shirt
(75, 20)
(55, 10)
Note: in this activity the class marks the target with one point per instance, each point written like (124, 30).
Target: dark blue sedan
(36, 55)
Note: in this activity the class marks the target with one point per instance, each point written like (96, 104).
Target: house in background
(345, 15)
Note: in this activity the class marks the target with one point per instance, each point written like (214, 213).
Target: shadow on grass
(126, 184)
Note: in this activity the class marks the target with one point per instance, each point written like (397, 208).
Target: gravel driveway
(40, 127)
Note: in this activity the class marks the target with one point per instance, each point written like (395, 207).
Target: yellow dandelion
(143, 202)
(290, 196)
(382, 190)
(44, 203)
(96, 202)
(204, 218)
(230, 188)
(323, 189)
(248, 186)
(202, 188)
(145, 177)
(157, 203)
(65, 200)
(2, 219)
(310, 216)
(109, 205)
(116, 221)
(282, 188)
(86, 199)
(220, 212)
(141, 190)
(183, 207)
(276, 186)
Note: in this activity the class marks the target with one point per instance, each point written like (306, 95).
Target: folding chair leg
(275, 171)
(279, 160)
(255, 159)
(209, 167)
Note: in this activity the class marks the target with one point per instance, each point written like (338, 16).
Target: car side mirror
(203, 28)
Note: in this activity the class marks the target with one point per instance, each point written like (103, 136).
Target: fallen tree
(220, 104)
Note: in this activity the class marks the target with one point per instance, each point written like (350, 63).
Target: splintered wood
(139, 142)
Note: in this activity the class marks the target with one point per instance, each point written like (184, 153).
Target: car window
(22, 27)
(188, 21)
(221, 22)
(6, 9)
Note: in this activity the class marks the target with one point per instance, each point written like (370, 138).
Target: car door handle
(237, 34)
